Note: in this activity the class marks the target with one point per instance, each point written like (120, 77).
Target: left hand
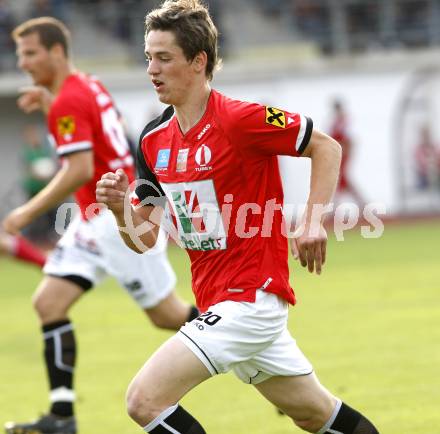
(16, 220)
(309, 245)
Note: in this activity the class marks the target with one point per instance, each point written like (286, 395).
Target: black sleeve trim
(77, 151)
(148, 189)
(165, 116)
(307, 135)
(150, 192)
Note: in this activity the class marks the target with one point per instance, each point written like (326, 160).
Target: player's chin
(164, 98)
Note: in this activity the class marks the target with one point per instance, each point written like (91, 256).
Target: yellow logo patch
(66, 125)
(275, 117)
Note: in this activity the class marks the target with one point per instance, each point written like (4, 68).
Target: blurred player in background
(339, 130)
(22, 249)
(215, 161)
(89, 139)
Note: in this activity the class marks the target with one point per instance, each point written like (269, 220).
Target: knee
(140, 407)
(46, 307)
(309, 425)
(313, 419)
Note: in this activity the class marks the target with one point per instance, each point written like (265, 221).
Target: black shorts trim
(82, 282)
(195, 343)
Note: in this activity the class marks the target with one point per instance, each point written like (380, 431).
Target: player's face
(170, 72)
(35, 59)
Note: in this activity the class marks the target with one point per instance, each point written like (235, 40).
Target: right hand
(35, 98)
(111, 190)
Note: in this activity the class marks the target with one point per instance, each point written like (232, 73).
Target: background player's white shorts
(93, 249)
(252, 339)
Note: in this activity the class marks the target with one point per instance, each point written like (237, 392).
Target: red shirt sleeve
(70, 123)
(264, 130)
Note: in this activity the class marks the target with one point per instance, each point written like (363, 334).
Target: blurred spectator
(412, 22)
(427, 161)
(40, 167)
(7, 24)
(340, 131)
(41, 8)
(312, 21)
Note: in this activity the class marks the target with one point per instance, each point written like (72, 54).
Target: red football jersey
(83, 117)
(224, 193)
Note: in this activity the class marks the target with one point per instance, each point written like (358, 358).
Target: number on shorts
(209, 318)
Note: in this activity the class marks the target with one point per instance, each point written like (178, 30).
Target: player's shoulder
(231, 111)
(160, 123)
(74, 94)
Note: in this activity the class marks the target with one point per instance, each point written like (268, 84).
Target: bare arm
(139, 228)
(77, 169)
(311, 242)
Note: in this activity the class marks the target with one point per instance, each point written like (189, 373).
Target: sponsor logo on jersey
(182, 160)
(275, 117)
(203, 157)
(195, 213)
(66, 127)
(205, 129)
(163, 158)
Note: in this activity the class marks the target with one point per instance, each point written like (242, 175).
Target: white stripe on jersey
(74, 147)
(301, 133)
(159, 127)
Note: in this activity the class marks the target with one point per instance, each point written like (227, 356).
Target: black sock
(193, 314)
(346, 420)
(60, 354)
(177, 419)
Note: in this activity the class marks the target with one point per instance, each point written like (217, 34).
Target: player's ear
(200, 61)
(57, 51)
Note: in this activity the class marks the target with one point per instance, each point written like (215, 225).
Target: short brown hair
(192, 26)
(50, 30)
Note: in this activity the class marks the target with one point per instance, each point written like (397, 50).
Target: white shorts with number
(252, 339)
(94, 249)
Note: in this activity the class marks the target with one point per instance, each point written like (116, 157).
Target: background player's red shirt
(224, 193)
(339, 131)
(83, 117)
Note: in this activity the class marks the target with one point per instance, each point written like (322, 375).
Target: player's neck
(62, 73)
(192, 110)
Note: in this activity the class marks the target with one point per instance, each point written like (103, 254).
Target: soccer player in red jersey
(89, 138)
(211, 163)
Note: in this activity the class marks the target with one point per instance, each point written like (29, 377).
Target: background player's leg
(22, 249)
(166, 377)
(312, 407)
(171, 312)
(52, 301)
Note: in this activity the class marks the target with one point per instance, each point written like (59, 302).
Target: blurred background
(366, 71)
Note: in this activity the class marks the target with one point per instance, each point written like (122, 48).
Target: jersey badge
(163, 157)
(275, 117)
(182, 160)
(66, 127)
(203, 157)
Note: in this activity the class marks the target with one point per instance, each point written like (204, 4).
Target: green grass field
(370, 324)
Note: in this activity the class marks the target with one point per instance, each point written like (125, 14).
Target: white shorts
(94, 249)
(252, 339)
